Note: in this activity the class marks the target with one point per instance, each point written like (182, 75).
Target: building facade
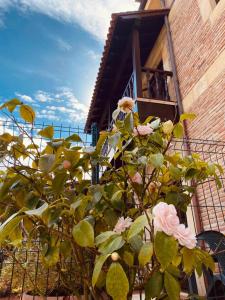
(170, 57)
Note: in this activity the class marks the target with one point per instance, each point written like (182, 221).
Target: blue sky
(50, 52)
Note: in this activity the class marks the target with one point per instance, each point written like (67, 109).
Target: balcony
(155, 94)
(125, 70)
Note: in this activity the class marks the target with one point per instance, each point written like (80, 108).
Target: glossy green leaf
(155, 124)
(175, 172)
(6, 137)
(27, 113)
(145, 254)
(9, 225)
(11, 104)
(187, 116)
(98, 267)
(83, 234)
(154, 286)
(46, 162)
(188, 259)
(114, 139)
(129, 123)
(137, 226)
(51, 257)
(74, 138)
(103, 237)
(172, 286)
(47, 132)
(156, 160)
(117, 285)
(128, 257)
(178, 130)
(111, 245)
(38, 211)
(115, 114)
(58, 182)
(166, 248)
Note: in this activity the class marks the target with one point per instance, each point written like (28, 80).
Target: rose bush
(131, 223)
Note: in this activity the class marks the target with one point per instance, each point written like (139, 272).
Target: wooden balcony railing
(156, 84)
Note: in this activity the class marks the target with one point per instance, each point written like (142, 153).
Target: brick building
(170, 57)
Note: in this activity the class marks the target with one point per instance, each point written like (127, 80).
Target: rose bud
(66, 164)
(115, 256)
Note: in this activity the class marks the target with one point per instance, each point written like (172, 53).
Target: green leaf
(188, 259)
(98, 267)
(187, 116)
(137, 226)
(154, 286)
(166, 248)
(11, 104)
(173, 270)
(9, 225)
(145, 254)
(172, 286)
(27, 113)
(38, 211)
(103, 237)
(58, 182)
(46, 162)
(74, 138)
(83, 234)
(111, 245)
(114, 139)
(115, 114)
(51, 257)
(175, 172)
(128, 257)
(155, 124)
(178, 131)
(47, 132)
(136, 242)
(6, 137)
(156, 160)
(129, 123)
(117, 285)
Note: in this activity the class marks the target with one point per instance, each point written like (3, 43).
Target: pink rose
(185, 237)
(126, 104)
(137, 178)
(122, 224)
(165, 218)
(142, 130)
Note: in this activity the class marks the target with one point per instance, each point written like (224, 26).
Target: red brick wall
(197, 44)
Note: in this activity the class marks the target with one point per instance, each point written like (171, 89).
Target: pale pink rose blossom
(165, 218)
(137, 178)
(185, 237)
(142, 130)
(126, 104)
(122, 224)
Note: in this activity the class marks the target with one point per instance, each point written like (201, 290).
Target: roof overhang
(116, 63)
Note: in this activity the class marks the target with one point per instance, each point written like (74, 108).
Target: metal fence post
(95, 136)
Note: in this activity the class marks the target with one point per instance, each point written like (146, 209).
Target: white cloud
(43, 97)
(93, 55)
(91, 15)
(25, 98)
(63, 45)
(60, 106)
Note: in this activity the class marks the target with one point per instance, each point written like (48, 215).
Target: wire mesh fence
(22, 271)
